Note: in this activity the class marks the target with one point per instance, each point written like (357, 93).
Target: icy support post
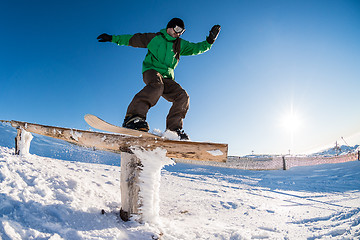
(17, 141)
(129, 185)
(22, 142)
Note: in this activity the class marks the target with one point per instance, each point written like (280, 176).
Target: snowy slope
(59, 190)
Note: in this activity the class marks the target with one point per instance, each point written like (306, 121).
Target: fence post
(284, 162)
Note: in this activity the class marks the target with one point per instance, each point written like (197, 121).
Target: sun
(291, 121)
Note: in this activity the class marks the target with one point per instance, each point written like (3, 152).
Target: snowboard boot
(136, 122)
(182, 134)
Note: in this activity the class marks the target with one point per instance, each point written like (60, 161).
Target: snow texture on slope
(59, 190)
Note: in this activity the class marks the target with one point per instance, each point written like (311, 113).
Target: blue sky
(272, 58)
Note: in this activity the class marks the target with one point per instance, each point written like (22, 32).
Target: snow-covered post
(140, 183)
(130, 170)
(22, 142)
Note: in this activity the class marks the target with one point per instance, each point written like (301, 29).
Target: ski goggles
(179, 30)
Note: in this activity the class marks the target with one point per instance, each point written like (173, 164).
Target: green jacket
(164, 51)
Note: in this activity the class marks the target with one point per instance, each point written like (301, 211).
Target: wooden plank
(201, 151)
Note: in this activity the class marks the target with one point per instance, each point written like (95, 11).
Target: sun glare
(291, 121)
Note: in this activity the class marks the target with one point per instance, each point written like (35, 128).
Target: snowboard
(101, 124)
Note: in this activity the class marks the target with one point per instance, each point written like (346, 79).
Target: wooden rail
(201, 151)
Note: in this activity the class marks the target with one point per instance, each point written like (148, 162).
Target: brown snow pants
(157, 86)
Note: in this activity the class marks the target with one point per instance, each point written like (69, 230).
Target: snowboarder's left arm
(188, 48)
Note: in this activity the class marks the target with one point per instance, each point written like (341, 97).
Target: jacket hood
(167, 36)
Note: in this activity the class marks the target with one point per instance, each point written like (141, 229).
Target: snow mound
(340, 150)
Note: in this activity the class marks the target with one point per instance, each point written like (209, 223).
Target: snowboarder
(164, 51)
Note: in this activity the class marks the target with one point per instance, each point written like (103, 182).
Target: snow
(24, 143)
(150, 179)
(216, 152)
(59, 189)
(167, 134)
(75, 135)
(171, 135)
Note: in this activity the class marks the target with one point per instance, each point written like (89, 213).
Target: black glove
(104, 38)
(214, 32)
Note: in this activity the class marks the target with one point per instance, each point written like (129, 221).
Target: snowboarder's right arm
(140, 40)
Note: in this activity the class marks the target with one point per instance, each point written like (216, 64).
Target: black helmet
(176, 22)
